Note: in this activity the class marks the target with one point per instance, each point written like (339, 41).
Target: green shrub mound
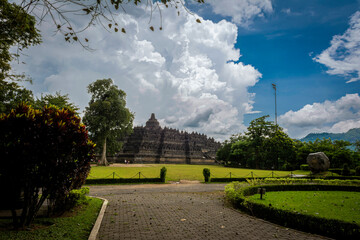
(329, 227)
(206, 173)
(304, 167)
(357, 171)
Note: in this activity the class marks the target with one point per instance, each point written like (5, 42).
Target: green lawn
(327, 204)
(176, 172)
(77, 227)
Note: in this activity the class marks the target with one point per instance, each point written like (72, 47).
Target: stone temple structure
(153, 144)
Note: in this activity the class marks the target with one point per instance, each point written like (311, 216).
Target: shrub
(163, 174)
(304, 167)
(44, 151)
(74, 198)
(346, 170)
(336, 170)
(357, 171)
(206, 173)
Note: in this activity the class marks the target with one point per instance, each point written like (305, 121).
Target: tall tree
(258, 131)
(17, 28)
(107, 117)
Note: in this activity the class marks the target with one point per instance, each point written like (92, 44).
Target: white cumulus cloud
(242, 12)
(343, 55)
(186, 73)
(329, 116)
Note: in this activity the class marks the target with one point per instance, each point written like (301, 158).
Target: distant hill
(352, 135)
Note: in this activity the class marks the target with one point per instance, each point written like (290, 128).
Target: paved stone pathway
(180, 211)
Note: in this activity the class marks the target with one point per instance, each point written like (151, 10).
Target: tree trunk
(103, 160)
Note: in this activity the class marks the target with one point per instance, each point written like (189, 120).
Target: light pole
(274, 87)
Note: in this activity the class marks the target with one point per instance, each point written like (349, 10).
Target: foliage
(237, 195)
(346, 170)
(304, 167)
(163, 174)
(11, 94)
(74, 198)
(206, 173)
(357, 171)
(44, 151)
(17, 28)
(100, 12)
(58, 100)
(77, 226)
(264, 146)
(107, 117)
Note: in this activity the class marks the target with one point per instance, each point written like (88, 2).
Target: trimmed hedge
(343, 177)
(329, 227)
(308, 177)
(122, 180)
(305, 167)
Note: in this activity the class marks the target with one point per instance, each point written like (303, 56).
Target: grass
(337, 205)
(176, 172)
(75, 227)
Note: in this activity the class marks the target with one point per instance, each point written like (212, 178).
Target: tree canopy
(265, 145)
(107, 117)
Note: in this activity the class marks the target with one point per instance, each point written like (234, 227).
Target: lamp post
(274, 87)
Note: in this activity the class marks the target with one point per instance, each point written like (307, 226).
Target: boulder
(318, 162)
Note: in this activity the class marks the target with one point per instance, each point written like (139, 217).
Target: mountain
(352, 135)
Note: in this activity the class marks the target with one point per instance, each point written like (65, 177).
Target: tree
(106, 117)
(45, 154)
(11, 94)
(100, 12)
(58, 100)
(258, 131)
(17, 28)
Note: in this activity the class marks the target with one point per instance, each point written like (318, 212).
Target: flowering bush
(43, 151)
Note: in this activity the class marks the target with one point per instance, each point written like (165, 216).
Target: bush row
(122, 180)
(262, 178)
(162, 179)
(329, 227)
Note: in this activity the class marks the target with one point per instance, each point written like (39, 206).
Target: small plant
(163, 174)
(357, 171)
(206, 173)
(346, 170)
(304, 167)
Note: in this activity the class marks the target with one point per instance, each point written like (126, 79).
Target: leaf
(152, 28)
(110, 25)
(116, 30)
(75, 38)
(86, 40)
(160, 28)
(123, 30)
(198, 21)
(58, 26)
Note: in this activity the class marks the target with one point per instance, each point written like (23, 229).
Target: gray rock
(318, 162)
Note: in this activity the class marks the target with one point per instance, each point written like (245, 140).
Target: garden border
(329, 227)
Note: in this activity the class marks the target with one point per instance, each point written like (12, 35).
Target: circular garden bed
(328, 210)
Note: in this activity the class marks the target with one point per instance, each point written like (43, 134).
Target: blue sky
(215, 77)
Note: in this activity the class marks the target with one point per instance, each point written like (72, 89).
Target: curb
(95, 229)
